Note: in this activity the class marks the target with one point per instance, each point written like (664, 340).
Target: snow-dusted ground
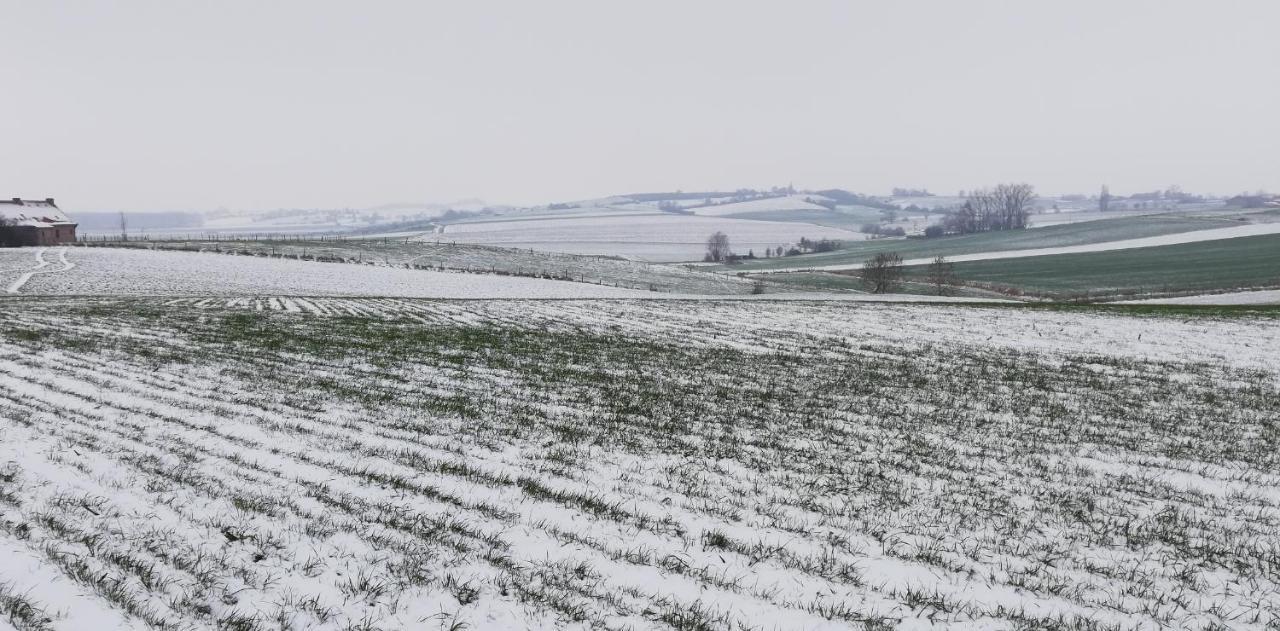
(16, 272)
(666, 237)
(403, 251)
(1068, 216)
(396, 307)
(631, 464)
(657, 205)
(545, 214)
(1257, 297)
(115, 271)
(1247, 230)
(768, 205)
(932, 201)
(145, 272)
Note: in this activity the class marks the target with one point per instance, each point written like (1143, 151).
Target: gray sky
(195, 105)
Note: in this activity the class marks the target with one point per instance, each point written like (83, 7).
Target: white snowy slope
(1256, 297)
(142, 272)
(116, 271)
(390, 306)
(635, 465)
(543, 214)
(663, 238)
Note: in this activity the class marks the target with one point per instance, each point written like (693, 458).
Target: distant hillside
(104, 221)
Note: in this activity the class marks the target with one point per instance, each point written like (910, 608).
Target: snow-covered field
(656, 206)
(237, 278)
(392, 308)
(633, 464)
(1049, 218)
(665, 237)
(1257, 297)
(1196, 236)
(116, 271)
(577, 212)
(767, 205)
(18, 266)
(932, 201)
(404, 251)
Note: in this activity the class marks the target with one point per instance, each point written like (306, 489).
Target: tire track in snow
(25, 269)
(41, 263)
(22, 280)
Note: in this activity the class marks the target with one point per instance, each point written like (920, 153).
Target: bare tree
(718, 247)
(964, 219)
(1013, 204)
(1104, 199)
(942, 275)
(10, 233)
(984, 206)
(882, 273)
(124, 227)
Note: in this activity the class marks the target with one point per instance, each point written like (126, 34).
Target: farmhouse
(32, 222)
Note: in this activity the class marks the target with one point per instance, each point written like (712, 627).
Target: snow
(767, 205)
(144, 272)
(775, 323)
(682, 203)
(932, 201)
(665, 237)
(1256, 297)
(1042, 218)
(117, 271)
(32, 213)
(1007, 466)
(320, 220)
(541, 214)
(70, 605)
(1196, 236)
(390, 308)
(39, 267)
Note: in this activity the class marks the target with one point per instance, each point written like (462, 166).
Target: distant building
(32, 222)
(1253, 201)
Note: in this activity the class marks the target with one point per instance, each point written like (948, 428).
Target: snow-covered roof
(36, 213)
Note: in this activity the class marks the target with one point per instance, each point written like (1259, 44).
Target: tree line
(1003, 207)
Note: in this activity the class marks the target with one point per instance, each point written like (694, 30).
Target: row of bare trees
(1003, 207)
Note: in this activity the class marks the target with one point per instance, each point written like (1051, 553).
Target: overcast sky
(197, 105)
